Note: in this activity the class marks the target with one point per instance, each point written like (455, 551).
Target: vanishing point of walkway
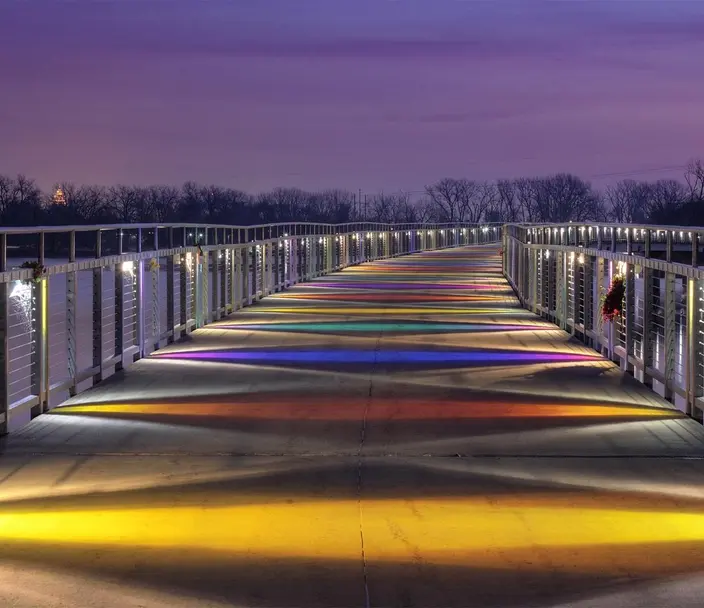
(398, 434)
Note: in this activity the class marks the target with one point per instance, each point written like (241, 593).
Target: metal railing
(563, 271)
(101, 297)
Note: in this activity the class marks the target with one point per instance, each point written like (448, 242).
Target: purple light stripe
(409, 286)
(349, 356)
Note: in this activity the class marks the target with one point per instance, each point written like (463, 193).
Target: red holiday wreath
(612, 304)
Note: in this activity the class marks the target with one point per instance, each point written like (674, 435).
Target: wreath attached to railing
(38, 271)
(612, 302)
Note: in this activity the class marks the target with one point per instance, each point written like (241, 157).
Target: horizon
(377, 96)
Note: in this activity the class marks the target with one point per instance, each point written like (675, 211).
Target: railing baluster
(4, 340)
(71, 308)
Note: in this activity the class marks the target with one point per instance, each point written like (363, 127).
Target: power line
(592, 176)
(638, 171)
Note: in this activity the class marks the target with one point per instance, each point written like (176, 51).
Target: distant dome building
(59, 198)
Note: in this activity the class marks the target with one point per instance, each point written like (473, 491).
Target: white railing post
(98, 314)
(119, 305)
(4, 341)
(71, 307)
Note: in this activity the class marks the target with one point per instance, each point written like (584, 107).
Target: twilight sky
(370, 94)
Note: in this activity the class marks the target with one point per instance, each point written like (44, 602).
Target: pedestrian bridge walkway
(400, 433)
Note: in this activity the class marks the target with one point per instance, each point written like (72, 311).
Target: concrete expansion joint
(362, 437)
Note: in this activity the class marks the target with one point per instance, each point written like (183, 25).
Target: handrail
(165, 226)
(563, 272)
(66, 327)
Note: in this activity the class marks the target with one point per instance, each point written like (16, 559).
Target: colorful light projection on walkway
(538, 532)
(384, 327)
(418, 311)
(394, 286)
(370, 357)
(308, 407)
(393, 297)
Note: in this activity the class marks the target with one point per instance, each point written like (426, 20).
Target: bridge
(358, 415)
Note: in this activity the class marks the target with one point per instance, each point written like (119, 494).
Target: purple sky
(370, 94)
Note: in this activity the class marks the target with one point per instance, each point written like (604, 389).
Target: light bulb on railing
(580, 259)
(127, 266)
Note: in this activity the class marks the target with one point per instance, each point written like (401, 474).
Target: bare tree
(483, 197)
(507, 207)
(459, 200)
(20, 200)
(694, 176)
(629, 201)
(332, 205)
(666, 198)
(125, 203)
(286, 204)
(83, 203)
(426, 211)
(557, 198)
(161, 202)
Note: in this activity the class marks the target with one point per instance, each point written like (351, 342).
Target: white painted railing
(563, 271)
(100, 297)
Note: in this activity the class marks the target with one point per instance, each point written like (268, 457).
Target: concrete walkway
(398, 434)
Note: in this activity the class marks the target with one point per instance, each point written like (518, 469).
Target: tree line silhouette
(557, 198)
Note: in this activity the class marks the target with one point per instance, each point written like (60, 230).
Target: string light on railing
(128, 267)
(580, 259)
(547, 254)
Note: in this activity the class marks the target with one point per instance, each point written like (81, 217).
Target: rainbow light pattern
(468, 455)
(388, 327)
(397, 356)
